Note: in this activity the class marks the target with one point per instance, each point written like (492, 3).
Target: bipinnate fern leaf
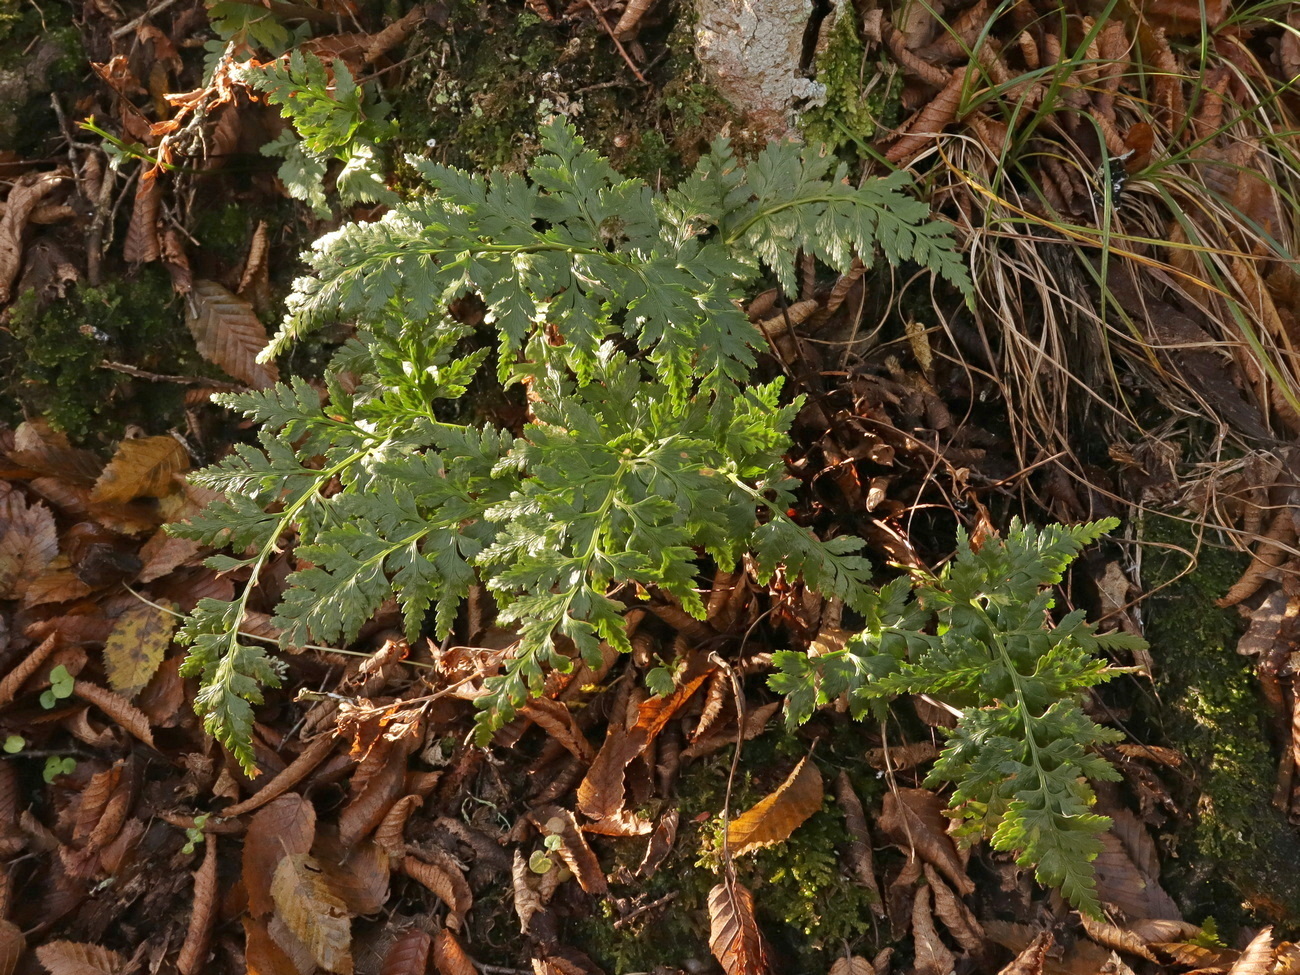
(979, 637)
(647, 444)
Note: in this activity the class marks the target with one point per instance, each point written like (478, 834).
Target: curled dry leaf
(578, 856)
(286, 826)
(940, 112)
(313, 912)
(142, 243)
(955, 915)
(141, 468)
(93, 801)
(556, 720)
(74, 958)
(122, 711)
(12, 947)
(775, 817)
(734, 936)
(860, 857)
(441, 875)
(293, 773)
(228, 333)
(389, 833)
(932, 956)
(528, 903)
(367, 808)
(449, 958)
(194, 951)
(913, 819)
(1032, 958)
(27, 543)
(135, 649)
(408, 955)
(24, 197)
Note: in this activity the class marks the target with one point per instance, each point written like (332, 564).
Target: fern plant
(647, 446)
(978, 637)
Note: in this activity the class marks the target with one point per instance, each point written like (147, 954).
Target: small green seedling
(194, 834)
(56, 766)
(61, 683)
(14, 744)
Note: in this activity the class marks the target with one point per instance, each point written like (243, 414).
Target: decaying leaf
(852, 965)
(914, 820)
(734, 936)
(194, 952)
(409, 954)
(126, 714)
(1032, 958)
(775, 817)
(228, 333)
(528, 903)
(136, 647)
(27, 542)
(12, 946)
(141, 468)
(313, 912)
(74, 958)
(286, 826)
(859, 853)
(262, 955)
(933, 957)
(440, 874)
(389, 832)
(293, 773)
(1257, 959)
(142, 242)
(449, 958)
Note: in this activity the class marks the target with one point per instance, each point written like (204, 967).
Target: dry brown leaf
(126, 714)
(914, 820)
(932, 956)
(286, 826)
(601, 793)
(556, 720)
(1032, 957)
(94, 800)
(262, 955)
(141, 468)
(955, 915)
(16, 678)
(367, 808)
(1123, 885)
(25, 195)
(228, 333)
(853, 965)
(291, 947)
(163, 553)
(449, 958)
(1257, 959)
(661, 844)
(734, 936)
(135, 649)
(408, 955)
(1270, 552)
(27, 543)
(775, 817)
(12, 946)
(860, 857)
(75, 958)
(528, 903)
(142, 243)
(930, 122)
(441, 875)
(194, 952)
(313, 912)
(1116, 938)
(574, 850)
(362, 878)
(293, 773)
(902, 756)
(389, 833)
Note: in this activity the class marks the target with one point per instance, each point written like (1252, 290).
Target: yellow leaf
(135, 649)
(311, 909)
(773, 819)
(141, 468)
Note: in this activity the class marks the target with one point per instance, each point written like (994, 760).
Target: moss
(50, 355)
(1238, 858)
(40, 52)
(860, 94)
(807, 905)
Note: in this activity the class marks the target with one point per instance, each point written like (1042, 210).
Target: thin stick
(617, 43)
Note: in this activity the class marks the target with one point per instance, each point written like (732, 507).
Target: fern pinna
(978, 636)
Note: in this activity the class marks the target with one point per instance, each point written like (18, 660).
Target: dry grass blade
(194, 952)
(313, 912)
(228, 333)
(734, 935)
(776, 816)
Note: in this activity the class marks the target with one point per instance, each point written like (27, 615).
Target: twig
(133, 24)
(644, 908)
(162, 378)
(617, 43)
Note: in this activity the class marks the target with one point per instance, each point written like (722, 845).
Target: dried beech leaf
(577, 854)
(142, 468)
(914, 820)
(408, 955)
(389, 833)
(163, 553)
(367, 808)
(361, 879)
(528, 903)
(311, 909)
(955, 915)
(228, 333)
(449, 957)
(142, 243)
(31, 663)
(135, 649)
(194, 952)
(775, 817)
(293, 773)
(1032, 958)
(855, 965)
(74, 958)
(734, 937)
(12, 946)
(445, 879)
(933, 957)
(94, 799)
(126, 714)
(27, 543)
(286, 826)
(557, 720)
(1257, 959)
(859, 854)
(262, 955)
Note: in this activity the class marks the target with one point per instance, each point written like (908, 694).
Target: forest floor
(1142, 369)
